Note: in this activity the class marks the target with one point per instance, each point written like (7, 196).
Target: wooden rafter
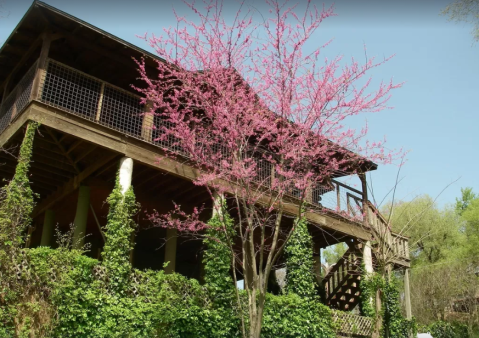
(72, 184)
(64, 151)
(85, 153)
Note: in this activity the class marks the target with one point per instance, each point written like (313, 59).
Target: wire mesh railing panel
(24, 90)
(161, 138)
(339, 198)
(6, 111)
(18, 99)
(71, 90)
(121, 111)
(264, 169)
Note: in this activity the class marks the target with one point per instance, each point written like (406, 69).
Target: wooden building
(75, 79)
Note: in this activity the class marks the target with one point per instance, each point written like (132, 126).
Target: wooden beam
(74, 145)
(22, 61)
(72, 184)
(109, 54)
(153, 176)
(63, 150)
(41, 66)
(85, 154)
(35, 170)
(106, 168)
(53, 165)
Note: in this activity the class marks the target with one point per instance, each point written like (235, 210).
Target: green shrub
(291, 316)
(441, 329)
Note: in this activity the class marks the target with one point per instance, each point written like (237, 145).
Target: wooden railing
(340, 272)
(398, 244)
(349, 324)
(18, 98)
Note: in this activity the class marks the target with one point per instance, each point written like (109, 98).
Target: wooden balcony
(86, 107)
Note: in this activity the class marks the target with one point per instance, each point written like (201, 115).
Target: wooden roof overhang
(89, 49)
(75, 43)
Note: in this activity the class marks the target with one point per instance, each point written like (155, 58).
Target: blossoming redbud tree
(261, 117)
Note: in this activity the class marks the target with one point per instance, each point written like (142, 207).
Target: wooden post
(100, 102)
(407, 294)
(368, 258)
(170, 250)
(41, 67)
(5, 89)
(81, 216)
(364, 185)
(148, 123)
(338, 196)
(125, 173)
(14, 108)
(48, 226)
(317, 263)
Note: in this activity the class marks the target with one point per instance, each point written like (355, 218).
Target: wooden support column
(148, 123)
(364, 186)
(368, 258)
(42, 66)
(5, 89)
(317, 263)
(218, 204)
(407, 294)
(170, 249)
(125, 174)
(48, 227)
(81, 216)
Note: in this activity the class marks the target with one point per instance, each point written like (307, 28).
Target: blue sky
(435, 113)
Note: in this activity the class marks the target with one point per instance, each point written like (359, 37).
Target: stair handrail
(393, 238)
(342, 262)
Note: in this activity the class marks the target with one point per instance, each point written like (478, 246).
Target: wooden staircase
(342, 281)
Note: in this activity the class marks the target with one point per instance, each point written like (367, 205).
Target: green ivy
(16, 206)
(217, 260)
(217, 257)
(368, 286)
(63, 293)
(299, 260)
(394, 324)
(441, 329)
(118, 244)
(292, 316)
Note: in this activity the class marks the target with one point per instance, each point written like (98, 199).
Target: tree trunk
(256, 318)
(378, 318)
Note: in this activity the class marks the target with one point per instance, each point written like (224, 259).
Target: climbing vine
(217, 257)
(393, 322)
(299, 261)
(119, 228)
(369, 284)
(16, 206)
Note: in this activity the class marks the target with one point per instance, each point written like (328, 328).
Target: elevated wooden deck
(64, 99)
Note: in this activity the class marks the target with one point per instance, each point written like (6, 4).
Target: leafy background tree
(465, 10)
(444, 261)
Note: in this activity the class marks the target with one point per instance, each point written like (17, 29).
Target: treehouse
(75, 79)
